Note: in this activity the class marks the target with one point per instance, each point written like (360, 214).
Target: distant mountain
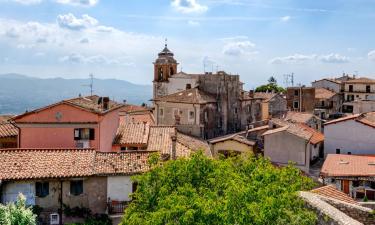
(19, 93)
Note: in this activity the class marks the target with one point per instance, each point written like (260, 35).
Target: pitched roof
(93, 104)
(361, 80)
(5, 118)
(23, 164)
(364, 118)
(8, 130)
(125, 163)
(330, 191)
(45, 163)
(160, 139)
(235, 137)
(193, 143)
(132, 133)
(266, 96)
(337, 165)
(138, 117)
(298, 117)
(300, 130)
(322, 93)
(191, 96)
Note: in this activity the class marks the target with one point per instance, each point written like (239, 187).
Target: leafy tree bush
(17, 213)
(271, 86)
(238, 190)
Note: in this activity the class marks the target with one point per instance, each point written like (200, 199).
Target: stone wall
(335, 212)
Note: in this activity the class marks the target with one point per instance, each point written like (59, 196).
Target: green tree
(238, 190)
(271, 86)
(17, 213)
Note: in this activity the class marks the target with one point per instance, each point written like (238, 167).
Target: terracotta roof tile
(22, 164)
(45, 163)
(160, 139)
(298, 117)
(8, 130)
(132, 162)
(322, 93)
(364, 118)
(337, 165)
(330, 191)
(301, 130)
(193, 95)
(138, 117)
(193, 144)
(361, 80)
(266, 96)
(132, 133)
(93, 103)
(235, 137)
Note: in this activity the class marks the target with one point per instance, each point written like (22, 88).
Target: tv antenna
(289, 80)
(91, 85)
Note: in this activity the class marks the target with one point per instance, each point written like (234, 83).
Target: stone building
(301, 99)
(205, 105)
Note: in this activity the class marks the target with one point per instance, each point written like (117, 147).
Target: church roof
(165, 56)
(191, 96)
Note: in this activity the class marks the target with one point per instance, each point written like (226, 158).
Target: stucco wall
(108, 129)
(94, 194)
(327, 85)
(282, 147)
(119, 188)
(349, 136)
(54, 136)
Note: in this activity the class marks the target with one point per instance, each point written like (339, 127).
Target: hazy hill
(19, 92)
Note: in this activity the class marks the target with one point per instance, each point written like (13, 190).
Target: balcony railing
(116, 207)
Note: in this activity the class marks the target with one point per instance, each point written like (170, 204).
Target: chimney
(251, 93)
(174, 140)
(105, 103)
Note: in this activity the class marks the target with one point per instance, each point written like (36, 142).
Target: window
(368, 88)
(322, 103)
(191, 115)
(349, 153)
(235, 110)
(41, 189)
(350, 88)
(337, 151)
(84, 134)
(76, 187)
(355, 183)
(295, 105)
(372, 184)
(296, 92)
(188, 86)
(161, 112)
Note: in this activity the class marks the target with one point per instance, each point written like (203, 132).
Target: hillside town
(84, 151)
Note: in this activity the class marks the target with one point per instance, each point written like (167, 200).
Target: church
(204, 105)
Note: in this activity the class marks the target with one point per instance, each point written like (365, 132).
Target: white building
(351, 135)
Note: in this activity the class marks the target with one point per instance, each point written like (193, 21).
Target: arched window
(160, 74)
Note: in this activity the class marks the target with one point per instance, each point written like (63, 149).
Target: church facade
(205, 105)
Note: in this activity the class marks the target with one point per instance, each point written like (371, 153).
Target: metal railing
(115, 207)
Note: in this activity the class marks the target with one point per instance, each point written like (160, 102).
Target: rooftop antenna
(91, 85)
(289, 79)
(166, 42)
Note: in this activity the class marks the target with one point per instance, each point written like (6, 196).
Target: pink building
(83, 122)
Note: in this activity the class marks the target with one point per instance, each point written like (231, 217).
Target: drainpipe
(174, 140)
(61, 203)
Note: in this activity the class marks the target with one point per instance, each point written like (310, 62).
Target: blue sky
(120, 39)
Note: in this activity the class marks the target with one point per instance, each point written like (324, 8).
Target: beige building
(358, 90)
(232, 144)
(293, 142)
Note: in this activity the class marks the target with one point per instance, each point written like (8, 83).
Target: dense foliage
(270, 87)
(17, 213)
(238, 190)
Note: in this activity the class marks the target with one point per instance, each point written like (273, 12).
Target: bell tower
(164, 67)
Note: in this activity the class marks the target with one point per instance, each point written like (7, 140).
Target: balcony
(117, 207)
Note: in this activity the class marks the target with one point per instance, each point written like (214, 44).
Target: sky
(253, 38)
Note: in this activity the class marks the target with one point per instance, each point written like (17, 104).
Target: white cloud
(76, 58)
(334, 58)
(84, 41)
(300, 59)
(69, 21)
(105, 29)
(78, 2)
(188, 6)
(285, 18)
(238, 46)
(371, 55)
(292, 59)
(28, 2)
